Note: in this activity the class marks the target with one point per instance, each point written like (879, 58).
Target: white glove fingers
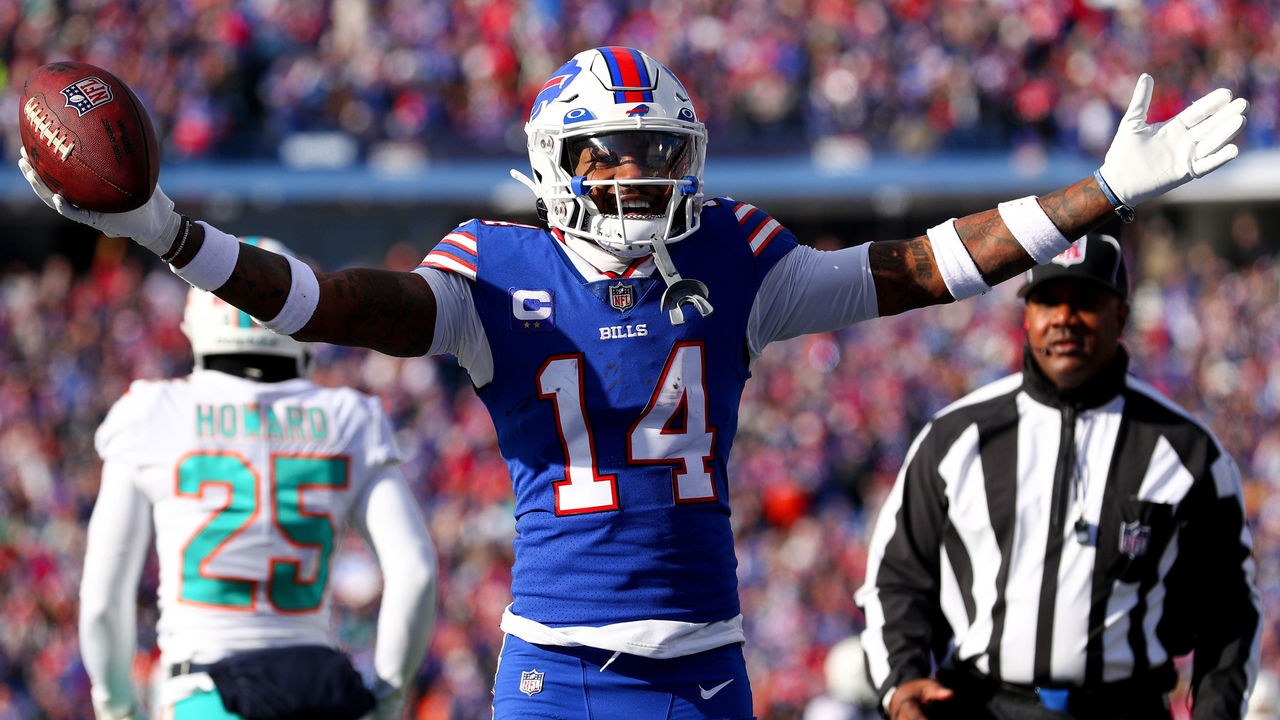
(1204, 165)
(69, 211)
(1217, 131)
(42, 190)
(1204, 107)
(1141, 101)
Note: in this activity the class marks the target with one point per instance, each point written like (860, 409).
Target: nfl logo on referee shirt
(622, 297)
(531, 682)
(1133, 539)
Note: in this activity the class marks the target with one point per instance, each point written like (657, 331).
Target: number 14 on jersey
(672, 430)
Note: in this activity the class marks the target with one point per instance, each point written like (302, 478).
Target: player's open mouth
(639, 207)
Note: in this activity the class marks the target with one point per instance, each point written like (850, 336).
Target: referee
(1056, 538)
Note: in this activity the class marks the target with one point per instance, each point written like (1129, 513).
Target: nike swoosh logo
(708, 694)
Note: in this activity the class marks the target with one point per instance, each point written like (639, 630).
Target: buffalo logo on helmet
(553, 87)
(638, 111)
(86, 94)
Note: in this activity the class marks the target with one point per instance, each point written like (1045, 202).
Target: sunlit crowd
(418, 79)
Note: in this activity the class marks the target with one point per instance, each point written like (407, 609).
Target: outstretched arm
(906, 271)
(965, 257)
(392, 312)
(388, 311)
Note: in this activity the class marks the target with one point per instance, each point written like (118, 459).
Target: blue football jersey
(615, 424)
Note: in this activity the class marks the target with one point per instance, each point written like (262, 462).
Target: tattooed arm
(906, 272)
(391, 312)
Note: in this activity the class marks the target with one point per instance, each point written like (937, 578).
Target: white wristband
(304, 295)
(214, 262)
(1033, 229)
(958, 270)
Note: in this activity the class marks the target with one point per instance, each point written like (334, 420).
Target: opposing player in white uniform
(249, 472)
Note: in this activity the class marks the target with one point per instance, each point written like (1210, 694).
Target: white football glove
(1148, 160)
(153, 226)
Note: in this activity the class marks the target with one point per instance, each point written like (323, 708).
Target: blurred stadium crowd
(825, 423)
(401, 81)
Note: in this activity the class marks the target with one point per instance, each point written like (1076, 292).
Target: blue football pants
(576, 683)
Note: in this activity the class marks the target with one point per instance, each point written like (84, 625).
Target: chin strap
(680, 291)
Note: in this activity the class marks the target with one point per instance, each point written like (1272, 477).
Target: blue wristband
(1125, 212)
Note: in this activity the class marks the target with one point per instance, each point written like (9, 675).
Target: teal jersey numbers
(283, 511)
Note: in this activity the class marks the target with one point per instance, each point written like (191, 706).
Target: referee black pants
(978, 698)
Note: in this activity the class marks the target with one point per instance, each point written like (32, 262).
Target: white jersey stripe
(760, 239)
(445, 261)
(462, 241)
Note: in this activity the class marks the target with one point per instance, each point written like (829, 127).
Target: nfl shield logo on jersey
(622, 297)
(531, 682)
(1133, 539)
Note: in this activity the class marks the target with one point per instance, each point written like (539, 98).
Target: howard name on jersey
(616, 425)
(249, 484)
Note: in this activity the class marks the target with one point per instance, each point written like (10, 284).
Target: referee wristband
(959, 272)
(304, 295)
(1033, 229)
(213, 263)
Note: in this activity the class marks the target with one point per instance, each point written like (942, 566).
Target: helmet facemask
(628, 188)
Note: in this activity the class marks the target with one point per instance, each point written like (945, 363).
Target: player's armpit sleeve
(811, 291)
(1227, 603)
(116, 546)
(391, 523)
(458, 328)
(900, 594)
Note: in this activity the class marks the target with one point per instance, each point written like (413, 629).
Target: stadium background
(359, 131)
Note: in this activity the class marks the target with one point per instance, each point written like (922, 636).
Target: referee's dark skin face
(1073, 328)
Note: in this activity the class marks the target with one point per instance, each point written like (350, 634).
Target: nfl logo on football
(531, 682)
(86, 95)
(622, 297)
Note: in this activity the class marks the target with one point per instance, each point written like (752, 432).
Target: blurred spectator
(849, 694)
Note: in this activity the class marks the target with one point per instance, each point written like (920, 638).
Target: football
(89, 137)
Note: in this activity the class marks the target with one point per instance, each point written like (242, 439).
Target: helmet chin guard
(617, 154)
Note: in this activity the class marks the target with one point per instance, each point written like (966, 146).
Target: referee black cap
(1095, 258)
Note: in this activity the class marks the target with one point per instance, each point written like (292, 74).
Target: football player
(611, 347)
(249, 472)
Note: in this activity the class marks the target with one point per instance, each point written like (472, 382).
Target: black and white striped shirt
(1066, 540)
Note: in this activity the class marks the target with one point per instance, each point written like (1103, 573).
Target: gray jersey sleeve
(458, 329)
(811, 291)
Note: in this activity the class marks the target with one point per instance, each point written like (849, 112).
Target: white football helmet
(216, 327)
(605, 104)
